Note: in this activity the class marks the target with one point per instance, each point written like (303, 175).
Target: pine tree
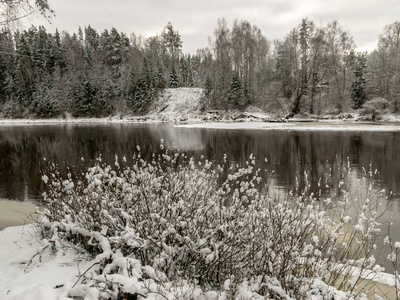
(236, 95)
(172, 41)
(83, 95)
(115, 47)
(7, 56)
(221, 92)
(144, 90)
(159, 79)
(173, 79)
(44, 105)
(58, 53)
(24, 75)
(184, 66)
(358, 94)
(208, 94)
(91, 44)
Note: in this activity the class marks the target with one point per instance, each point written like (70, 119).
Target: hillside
(184, 104)
(179, 104)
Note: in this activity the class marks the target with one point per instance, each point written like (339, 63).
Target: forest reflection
(300, 159)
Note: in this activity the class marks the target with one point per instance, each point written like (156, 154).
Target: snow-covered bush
(374, 108)
(153, 224)
(394, 259)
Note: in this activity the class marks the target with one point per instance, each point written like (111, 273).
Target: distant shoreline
(247, 122)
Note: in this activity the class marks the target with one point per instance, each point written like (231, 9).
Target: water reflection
(312, 160)
(315, 161)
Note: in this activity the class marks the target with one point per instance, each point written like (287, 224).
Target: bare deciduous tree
(13, 11)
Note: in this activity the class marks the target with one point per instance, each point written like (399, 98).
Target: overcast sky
(196, 20)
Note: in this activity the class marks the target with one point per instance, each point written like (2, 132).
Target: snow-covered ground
(179, 104)
(27, 275)
(196, 121)
(21, 279)
(331, 125)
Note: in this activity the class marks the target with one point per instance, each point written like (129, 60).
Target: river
(298, 158)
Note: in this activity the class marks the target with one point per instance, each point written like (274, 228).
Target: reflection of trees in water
(319, 156)
(23, 149)
(314, 158)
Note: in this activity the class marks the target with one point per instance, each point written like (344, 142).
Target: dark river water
(290, 154)
(298, 158)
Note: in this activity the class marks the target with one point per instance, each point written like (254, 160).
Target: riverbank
(185, 105)
(210, 120)
(23, 280)
(52, 277)
(311, 125)
(391, 124)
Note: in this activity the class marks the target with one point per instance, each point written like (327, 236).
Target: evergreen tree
(236, 94)
(105, 48)
(44, 104)
(159, 79)
(172, 41)
(91, 45)
(358, 94)
(173, 79)
(208, 94)
(115, 44)
(7, 56)
(144, 90)
(83, 96)
(24, 86)
(57, 52)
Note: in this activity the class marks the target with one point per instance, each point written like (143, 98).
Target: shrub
(379, 103)
(374, 108)
(177, 219)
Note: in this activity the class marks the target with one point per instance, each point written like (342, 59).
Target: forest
(313, 70)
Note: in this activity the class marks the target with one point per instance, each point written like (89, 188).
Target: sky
(196, 20)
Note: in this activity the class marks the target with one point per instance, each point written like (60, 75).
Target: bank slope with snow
(28, 272)
(178, 104)
(27, 275)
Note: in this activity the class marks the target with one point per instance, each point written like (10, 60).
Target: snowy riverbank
(390, 125)
(183, 106)
(331, 125)
(24, 277)
(23, 280)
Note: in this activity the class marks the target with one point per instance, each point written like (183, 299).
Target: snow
(187, 118)
(25, 277)
(180, 101)
(303, 126)
(21, 122)
(30, 270)
(24, 281)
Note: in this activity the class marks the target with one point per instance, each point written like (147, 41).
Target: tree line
(312, 70)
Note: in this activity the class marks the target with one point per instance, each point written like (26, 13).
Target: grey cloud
(196, 20)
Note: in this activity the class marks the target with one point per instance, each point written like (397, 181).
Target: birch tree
(384, 63)
(13, 11)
